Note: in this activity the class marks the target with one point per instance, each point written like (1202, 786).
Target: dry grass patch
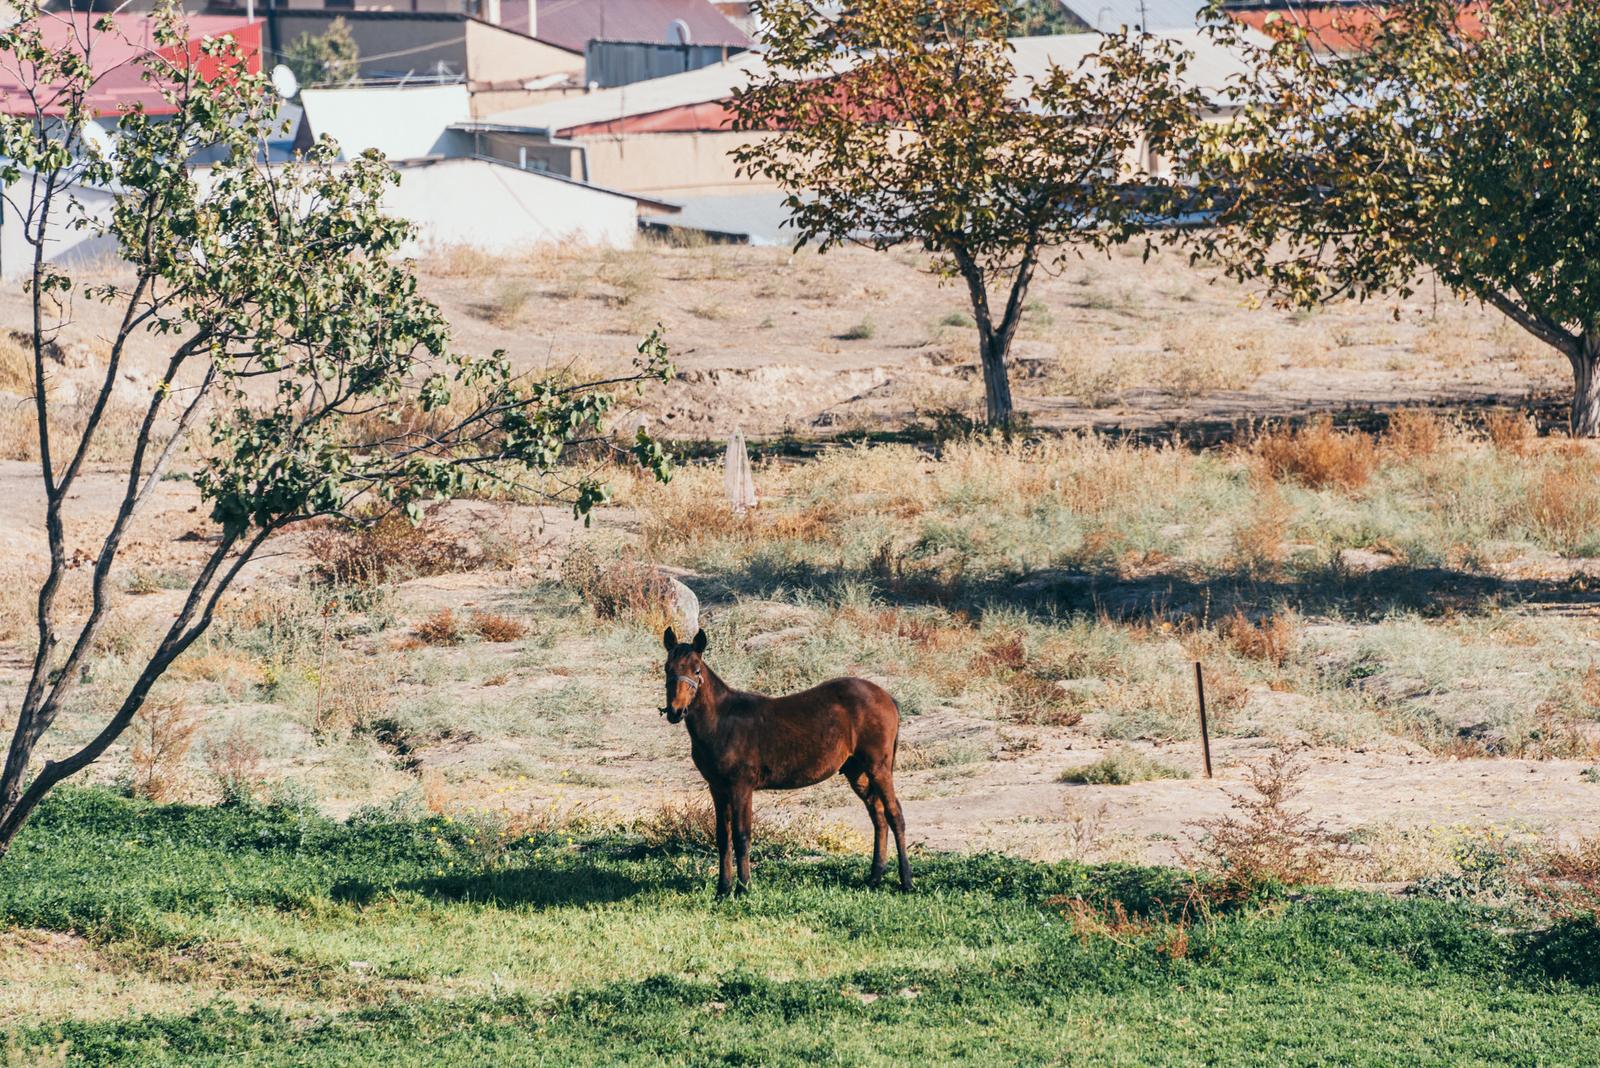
(16, 364)
(1271, 638)
(441, 628)
(492, 627)
(1317, 455)
(690, 824)
(162, 734)
(1265, 840)
(1564, 503)
(1203, 357)
(1511, 432)
(1122, 767)
(1414, 433)
(385, 549)
(621, 590)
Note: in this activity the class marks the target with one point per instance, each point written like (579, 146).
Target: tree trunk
(992, 351)
(1586, 387)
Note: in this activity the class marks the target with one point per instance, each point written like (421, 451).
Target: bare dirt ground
(814, 345)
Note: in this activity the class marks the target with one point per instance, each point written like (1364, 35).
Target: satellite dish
(95, 138)
(284, 83)
(678, 32)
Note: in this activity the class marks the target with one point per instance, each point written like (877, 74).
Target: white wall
(501, 209)
(64, 243)
(401, 122)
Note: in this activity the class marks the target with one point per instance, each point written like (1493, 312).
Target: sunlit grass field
(242, 935)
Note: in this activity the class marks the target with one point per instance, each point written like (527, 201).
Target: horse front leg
(719, 799)
(743, 816)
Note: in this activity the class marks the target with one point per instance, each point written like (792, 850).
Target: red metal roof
(1338, 27)
(116, 58)
(574, 23)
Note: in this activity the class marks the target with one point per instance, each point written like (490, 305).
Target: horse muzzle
(674, 715)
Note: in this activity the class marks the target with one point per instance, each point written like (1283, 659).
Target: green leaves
(1453, 140)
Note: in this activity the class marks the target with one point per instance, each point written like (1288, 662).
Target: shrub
(1265, 841)
(1414, 432)
(1564, 505)
(1121, 768)
(1511, 431)
(1317, 455)
(234, 762)
(510, 297)
(441, 628)
(1565, 880)
(163, 733)
(384, 549)
(621, 590)
(497, 628)
(865, 330)
(1271, 638)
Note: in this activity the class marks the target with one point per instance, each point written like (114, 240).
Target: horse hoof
(724, 891)
(741, 889)
(874, 882)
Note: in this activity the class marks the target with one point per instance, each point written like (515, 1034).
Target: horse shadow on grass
(523, 886)
(1568, 951)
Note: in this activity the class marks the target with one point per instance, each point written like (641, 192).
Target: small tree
(293, 336)
(1457, 139)
(905, 121)
(331, 58)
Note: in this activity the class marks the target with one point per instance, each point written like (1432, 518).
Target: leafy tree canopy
(1445, 138)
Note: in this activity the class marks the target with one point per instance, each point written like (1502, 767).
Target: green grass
(402, 941)
(1120, 768)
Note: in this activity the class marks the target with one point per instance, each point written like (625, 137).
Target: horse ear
(700, 641)
(669, 640)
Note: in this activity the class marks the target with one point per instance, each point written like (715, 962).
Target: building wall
(402, 122)
(496, 55)
(389, 46)
(669, 165)
(538, 153)
(489, 100)
(64, 242)
(612, 63)
(505, 211)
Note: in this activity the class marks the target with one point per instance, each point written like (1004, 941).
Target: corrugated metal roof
(715, 82)
(1209, 70)
(574, 23)
(1211, 66)
(1152, 16)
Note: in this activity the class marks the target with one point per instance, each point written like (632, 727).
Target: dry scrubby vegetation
(1064, 585)
(1341, 588)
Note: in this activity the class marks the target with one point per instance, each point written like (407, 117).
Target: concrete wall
(402, 122)
(496, 55)
(64, 243)
(503, 210)
(669, 165)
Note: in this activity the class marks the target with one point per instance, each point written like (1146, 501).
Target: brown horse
(744, 742)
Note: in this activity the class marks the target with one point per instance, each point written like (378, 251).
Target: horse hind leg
(856, 774)
(883, 788)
